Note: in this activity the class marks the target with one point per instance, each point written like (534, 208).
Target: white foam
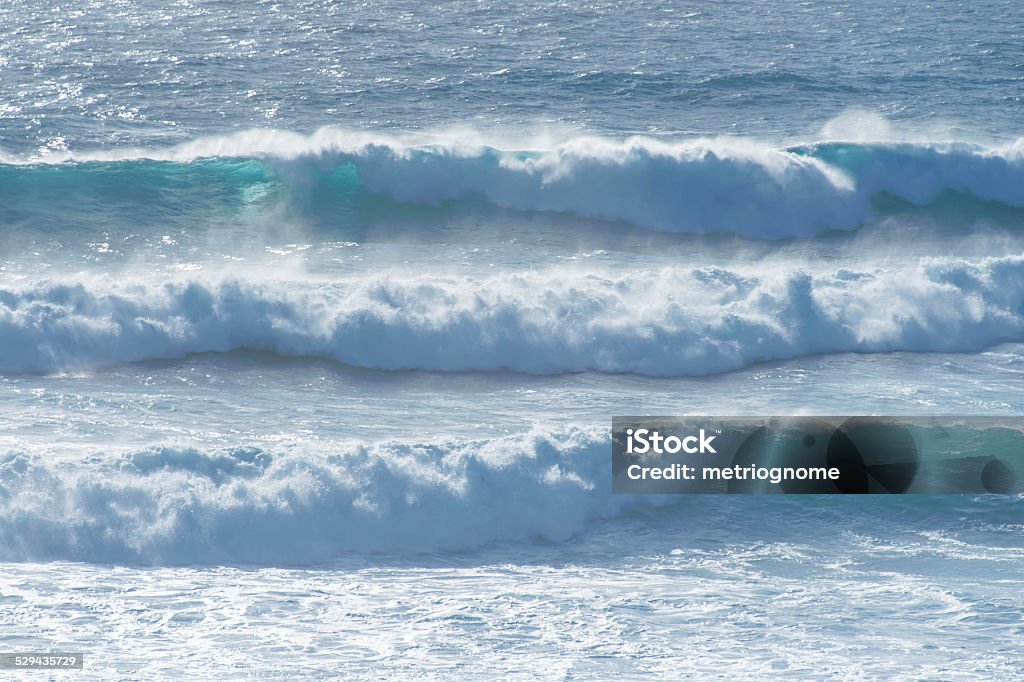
(178, 505)
(669, 321)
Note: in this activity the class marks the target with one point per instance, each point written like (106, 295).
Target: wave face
(668, 322)
(699, 186)
(175, 505)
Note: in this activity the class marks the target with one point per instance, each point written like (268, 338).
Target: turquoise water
(313, 319)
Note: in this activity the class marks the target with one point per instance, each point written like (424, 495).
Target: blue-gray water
(313, 318)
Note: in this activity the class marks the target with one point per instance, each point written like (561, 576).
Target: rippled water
(87, 74)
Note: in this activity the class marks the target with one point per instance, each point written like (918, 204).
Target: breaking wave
(179, 505)
(731, 185)
(675, 321)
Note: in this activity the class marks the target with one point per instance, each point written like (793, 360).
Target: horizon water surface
(314, 316)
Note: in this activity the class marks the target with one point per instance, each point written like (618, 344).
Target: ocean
(314, 317)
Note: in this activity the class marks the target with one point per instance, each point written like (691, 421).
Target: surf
(668, 321)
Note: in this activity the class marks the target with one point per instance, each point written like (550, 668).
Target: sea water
(314, 316)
